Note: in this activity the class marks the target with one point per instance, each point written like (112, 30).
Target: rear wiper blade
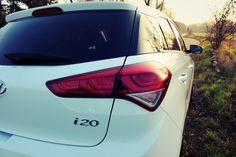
(36, 59)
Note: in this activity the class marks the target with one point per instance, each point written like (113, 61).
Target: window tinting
(181, 42)
(169, 34)
(159, 38)
(69, 38)
(150, 36)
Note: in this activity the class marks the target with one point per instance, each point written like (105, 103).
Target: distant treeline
(194, 28)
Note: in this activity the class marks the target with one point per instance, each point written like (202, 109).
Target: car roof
(82, 6)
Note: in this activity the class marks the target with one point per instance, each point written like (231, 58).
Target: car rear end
(74, 88)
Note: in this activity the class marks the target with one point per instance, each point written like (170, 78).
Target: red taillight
(143, 83)
(95, 84)
(143, 77)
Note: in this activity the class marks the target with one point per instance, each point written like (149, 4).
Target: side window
(177, 34)
(146, 42)
(169, 35)
(150, 37)
(159, 38)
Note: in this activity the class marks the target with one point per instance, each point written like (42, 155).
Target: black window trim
(164, 37)
(168, 20)
(133, 44)
(171, 22)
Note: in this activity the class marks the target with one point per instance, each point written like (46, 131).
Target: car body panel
(177, 62)
(141, 143)
(31, 110)
(75, 7)
(43, 124)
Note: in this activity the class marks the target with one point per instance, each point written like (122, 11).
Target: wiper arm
(36, 59)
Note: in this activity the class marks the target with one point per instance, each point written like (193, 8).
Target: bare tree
(2, 14)
(158, 4)
(30, 3)
(147, 2)
(222, 27)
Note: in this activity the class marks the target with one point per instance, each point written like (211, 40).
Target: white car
(97, 79)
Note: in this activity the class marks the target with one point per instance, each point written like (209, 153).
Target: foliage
(32, 3)
(11, 6)
(227, 53)
(158, 4)
(198, 28)
(222, 26)
(181, 26)
(211, 122)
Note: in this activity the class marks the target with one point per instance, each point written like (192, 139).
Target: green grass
(210, 129)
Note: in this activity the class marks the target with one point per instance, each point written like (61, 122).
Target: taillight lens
(144, 84)
(94, 84)
(47, 11)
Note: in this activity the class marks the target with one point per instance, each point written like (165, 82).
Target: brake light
(47, 11)
(144, 84)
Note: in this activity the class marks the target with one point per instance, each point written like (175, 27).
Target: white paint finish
(175, 102)
(75, 7)
(30, 109)
(150, 130)
(133, 131)
(4, 136)
(123, 138)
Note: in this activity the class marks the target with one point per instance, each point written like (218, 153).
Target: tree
(181, 26)
(158, 4)
(222, 27)
(30, 3)
(10, 6)
(36, 3)
(2, 14)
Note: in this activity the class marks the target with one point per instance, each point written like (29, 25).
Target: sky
(191, 11)
(194, 11)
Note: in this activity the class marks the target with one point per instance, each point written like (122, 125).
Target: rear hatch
(39, 49)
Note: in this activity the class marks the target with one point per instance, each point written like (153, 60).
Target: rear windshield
(68, 38)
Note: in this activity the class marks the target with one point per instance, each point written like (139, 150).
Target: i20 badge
(3, 88)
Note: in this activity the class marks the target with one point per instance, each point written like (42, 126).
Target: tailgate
(28, 108)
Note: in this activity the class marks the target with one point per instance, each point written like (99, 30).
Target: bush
(211, 121)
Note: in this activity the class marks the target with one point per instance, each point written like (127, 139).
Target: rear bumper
(133, 132)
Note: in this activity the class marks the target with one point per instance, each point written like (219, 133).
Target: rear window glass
(74, 37)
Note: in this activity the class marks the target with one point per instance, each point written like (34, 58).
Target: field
(210, 128)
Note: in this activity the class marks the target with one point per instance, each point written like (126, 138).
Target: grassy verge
(211, 121)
